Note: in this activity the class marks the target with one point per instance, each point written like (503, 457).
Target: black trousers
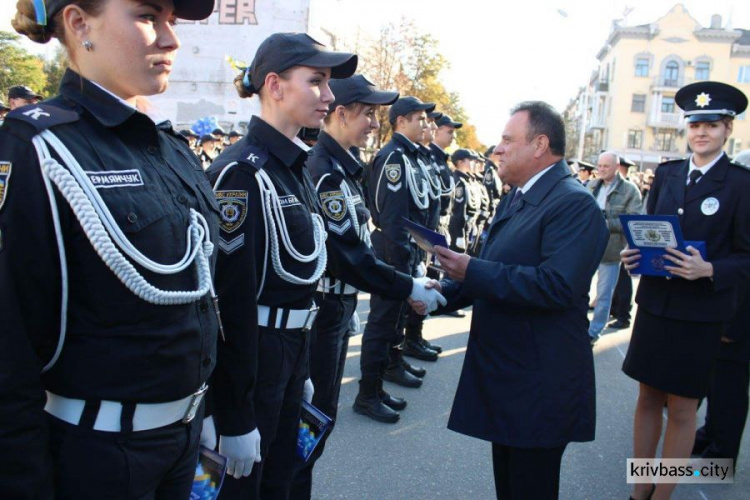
(522, 473)
(154, 464)
(282, 370)
(726, 411)
(623, 296)
(329, 342)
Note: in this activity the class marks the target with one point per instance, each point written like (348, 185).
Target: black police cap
(188, 133)
(406, 105)
(207, 138)
(358, 88)
(435, 115)
(192, 10)
(234, 133)
(218, 131)
(625, 162)
(462, 154)
(710, 101)
(582, 165)
(22, 92)
(282, 51)
(447, 120)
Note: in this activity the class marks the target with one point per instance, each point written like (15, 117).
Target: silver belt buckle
(310, 319)
(195, 402)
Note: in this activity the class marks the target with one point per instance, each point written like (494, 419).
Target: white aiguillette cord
(110, 243)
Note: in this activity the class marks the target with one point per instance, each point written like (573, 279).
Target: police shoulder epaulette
(254, 155)
(338, 168)
(42, 116)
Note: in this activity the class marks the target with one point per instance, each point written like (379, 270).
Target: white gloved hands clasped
(208, 433)
(308, 391)
(430, 297)
(461, 243)
(421, 270)
(354, 324)
(241, 452)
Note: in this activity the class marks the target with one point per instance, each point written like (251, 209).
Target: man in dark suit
(527, 383)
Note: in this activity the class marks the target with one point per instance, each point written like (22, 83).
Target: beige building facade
(628, 106)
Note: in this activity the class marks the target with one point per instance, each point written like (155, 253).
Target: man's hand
(425, 296)
(689, 266)
(454, 264)
(241, 452)
(629, 257)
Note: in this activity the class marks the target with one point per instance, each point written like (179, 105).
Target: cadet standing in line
(233, 137)
(352, 264)
(585, 171)
(397, 188)
(465, 203)
(104, 304)
(491, 181)
(21, 95)
(272, 254)
(477, 177)
(444, 136)
(208, 150)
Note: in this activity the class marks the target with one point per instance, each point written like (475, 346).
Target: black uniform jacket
(245, 257)
(117, 346)
(465, 207)
(391, 198)
(441, 160)
(528, 376)
(424, 155)
(350, 259)
(726, 231)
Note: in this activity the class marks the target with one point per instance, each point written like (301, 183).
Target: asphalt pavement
(419, 458)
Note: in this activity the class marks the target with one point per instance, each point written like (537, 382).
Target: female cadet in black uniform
(352, 264)
(107, 221)
(681, 320)
(272, 254)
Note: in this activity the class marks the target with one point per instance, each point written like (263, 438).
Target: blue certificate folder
(652, 235)
(313, 424)
(209, 475)
(426, 239)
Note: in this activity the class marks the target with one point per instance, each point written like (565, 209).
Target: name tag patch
(288, 201)
(115, 178)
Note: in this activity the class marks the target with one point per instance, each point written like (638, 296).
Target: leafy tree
(18, 67)
(54, 68)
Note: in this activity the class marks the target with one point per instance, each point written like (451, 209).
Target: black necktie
(694, 176)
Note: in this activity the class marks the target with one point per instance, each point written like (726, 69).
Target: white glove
(354, 324)
(421, 270)
(208, 433)
(308, 391)
(241, 452)
(430, 297)
(461, 243)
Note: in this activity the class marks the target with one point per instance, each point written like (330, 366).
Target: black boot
(414, 334)
(391, 401)
(417, 371)
(415, 349)
(396, 373)
(368, 403)
(430, 345)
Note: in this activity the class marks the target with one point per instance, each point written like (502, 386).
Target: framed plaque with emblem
(652, 235)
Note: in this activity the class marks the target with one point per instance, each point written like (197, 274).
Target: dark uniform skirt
(674, 356)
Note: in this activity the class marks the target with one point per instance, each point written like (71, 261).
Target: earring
(87, 45)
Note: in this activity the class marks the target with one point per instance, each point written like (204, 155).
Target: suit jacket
(528, 375)
(726, 231)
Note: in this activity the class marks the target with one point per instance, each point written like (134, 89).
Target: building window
(639, 103)
(641, 66)
(672, 74)
(744, 75)
(665, 140)
(735, 146)
(702, 70)
(635, 139)
(667, 104)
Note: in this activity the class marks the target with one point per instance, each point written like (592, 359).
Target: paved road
(418, 458)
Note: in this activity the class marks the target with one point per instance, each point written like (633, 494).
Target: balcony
(666, 120)
(596, 122)
(600, 86)
(670, 81)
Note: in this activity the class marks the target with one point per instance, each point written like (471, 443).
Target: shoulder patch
(393, 172)
(459, 192)
(232, 209)
(334, 204)
(42, 116)
(254, 155)
(5, 169)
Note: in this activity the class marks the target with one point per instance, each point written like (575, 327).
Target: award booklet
(313, 424)
(209, 475)
(652, 235)
(426, 239)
